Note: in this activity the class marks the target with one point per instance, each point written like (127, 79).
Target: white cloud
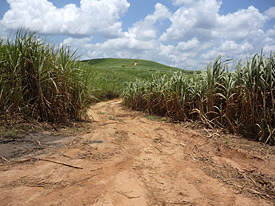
(140, 41)
(123, 47)
(146, 28)
(240, 25)
(189, 45)
(228, 47)
(199, 33)
(3, 32)
(185, 2)
(199, 23)
(202, 19)
(269, 48)
(193, 35)
(198, 18)
(270, 13)
(91, 17)
(271, 33)
(130, 47)
(161, 13)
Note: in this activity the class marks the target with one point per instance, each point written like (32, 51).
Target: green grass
(108, 76)
(156, 118)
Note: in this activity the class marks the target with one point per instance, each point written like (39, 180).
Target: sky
(187, 34)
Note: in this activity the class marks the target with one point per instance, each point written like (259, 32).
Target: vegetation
(41, 82)
(110, 75)
(241, 100)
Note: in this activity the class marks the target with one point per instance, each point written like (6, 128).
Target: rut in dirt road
(128, 159)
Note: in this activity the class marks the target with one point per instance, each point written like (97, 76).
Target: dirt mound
(127, 159)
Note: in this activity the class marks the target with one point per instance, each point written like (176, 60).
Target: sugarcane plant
(241, 99)
(39, 81)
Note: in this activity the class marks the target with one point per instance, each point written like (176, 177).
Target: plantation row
(40, 82)
(241, 100)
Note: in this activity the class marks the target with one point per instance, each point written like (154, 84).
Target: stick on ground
(41, 159)
(61, 163)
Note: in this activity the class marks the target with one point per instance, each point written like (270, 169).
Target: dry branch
(42, 159)
(61, 163)
(5, 159)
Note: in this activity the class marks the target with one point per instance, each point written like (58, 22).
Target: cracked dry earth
(126, 159)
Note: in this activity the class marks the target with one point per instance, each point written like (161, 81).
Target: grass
(156, 118)
(109, 76)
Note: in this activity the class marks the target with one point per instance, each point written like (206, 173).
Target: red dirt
(127, 159)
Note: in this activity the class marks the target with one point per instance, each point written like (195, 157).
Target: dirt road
(126, 159)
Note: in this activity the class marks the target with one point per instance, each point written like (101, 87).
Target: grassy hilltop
(109, 75)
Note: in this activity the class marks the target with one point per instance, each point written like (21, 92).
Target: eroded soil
(127, 159)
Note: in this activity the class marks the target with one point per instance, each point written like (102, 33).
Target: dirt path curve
(127, 159)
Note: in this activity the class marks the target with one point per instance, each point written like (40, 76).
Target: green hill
(143, 68)
(109, 75)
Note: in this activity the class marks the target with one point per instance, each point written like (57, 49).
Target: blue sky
(184, 33)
